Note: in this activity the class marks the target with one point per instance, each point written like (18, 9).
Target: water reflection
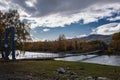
(75, 58)
(104, 59)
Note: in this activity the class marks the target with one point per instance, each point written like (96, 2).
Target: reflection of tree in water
(115, 60)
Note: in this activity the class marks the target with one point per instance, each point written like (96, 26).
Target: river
(103, 59)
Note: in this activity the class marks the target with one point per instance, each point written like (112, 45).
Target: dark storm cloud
(45, 7)
(60, 6)
(22, 4)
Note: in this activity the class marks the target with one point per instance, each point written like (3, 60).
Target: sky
(74, 18)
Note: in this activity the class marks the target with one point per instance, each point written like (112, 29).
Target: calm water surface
(104, 59)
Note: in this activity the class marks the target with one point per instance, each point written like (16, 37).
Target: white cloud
(78, 36)
(30, 3)
(38, 39)
(91, 14)
(46, 30)
(59, 19)
(83, 35)
(99, 11)
(107, 29)
(7, 4)
(114, 19)
(35, 31)
(23, 14)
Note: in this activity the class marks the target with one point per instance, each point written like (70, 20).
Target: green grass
(47, 69)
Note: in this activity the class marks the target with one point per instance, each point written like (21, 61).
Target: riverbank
(47, 70)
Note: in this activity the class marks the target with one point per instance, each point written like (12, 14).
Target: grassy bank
(48, 70)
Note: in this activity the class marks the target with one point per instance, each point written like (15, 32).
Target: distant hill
(105, 38)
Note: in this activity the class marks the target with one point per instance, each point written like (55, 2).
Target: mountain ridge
(105, 38)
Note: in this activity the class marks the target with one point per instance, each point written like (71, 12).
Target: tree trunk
(3, 56)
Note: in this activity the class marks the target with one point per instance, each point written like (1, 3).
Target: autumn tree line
(65, 45)
(114, 46)
(75, 45)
